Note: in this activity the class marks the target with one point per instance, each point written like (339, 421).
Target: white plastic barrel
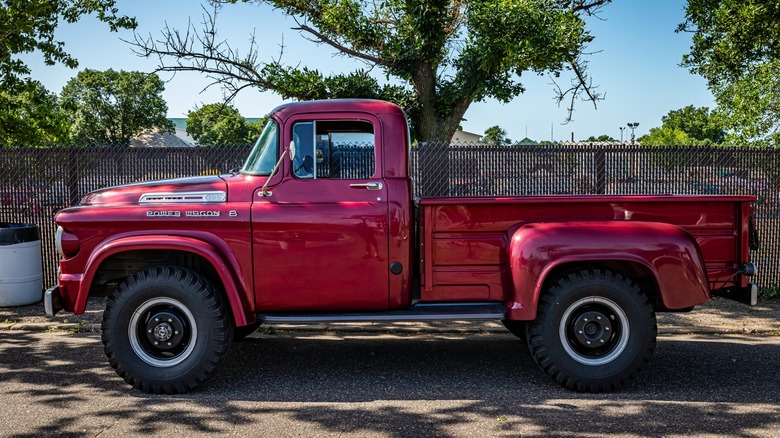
(21, 273)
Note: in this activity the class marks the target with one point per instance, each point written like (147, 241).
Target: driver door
(320, 240)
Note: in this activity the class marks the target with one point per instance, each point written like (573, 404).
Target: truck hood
(193, 190)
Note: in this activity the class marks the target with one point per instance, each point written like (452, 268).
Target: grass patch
(771, 292)
(266, 330)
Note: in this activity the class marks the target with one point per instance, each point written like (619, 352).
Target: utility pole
(632, 127)
(622, 128)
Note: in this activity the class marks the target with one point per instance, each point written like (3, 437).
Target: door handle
(369, 186)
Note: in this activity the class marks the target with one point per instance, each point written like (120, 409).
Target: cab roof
(371, 106)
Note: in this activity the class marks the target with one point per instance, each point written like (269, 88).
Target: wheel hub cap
(165, 330)
(592, 329)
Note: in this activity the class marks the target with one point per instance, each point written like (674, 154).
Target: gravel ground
(718, 316)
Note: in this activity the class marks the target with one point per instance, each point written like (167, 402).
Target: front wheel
(595, 331)
(166, 330)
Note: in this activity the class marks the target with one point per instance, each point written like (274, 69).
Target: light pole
(632, 126)
(622, 128)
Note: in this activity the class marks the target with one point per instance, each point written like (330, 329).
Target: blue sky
(635, 64)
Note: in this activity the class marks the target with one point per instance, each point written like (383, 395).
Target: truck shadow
(396, 386)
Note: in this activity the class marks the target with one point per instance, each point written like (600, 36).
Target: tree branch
(321, 38)
(589, 7)
(580, 84)
(202, 52)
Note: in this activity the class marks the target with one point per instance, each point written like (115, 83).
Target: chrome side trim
(183, 198)
(286, 319)
(419, 312)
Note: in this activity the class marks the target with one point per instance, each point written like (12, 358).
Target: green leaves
(666, 136)
(438, 56)
(698, 124)
(496, 136)
(30, 115)
(114, 106)
(219, 124)
(687, 126)
(736, 47)
(29, 25)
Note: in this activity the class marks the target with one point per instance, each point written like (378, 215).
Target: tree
(443, 55)
(219, 124)
(603, 137)
(27, 26)
(736, 48)
(698, 123)
(114, 106)
(496, 136)
(30, 115)
(666, 136)
(687, 126)
(255, 128)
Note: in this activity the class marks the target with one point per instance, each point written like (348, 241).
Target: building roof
(156, 139)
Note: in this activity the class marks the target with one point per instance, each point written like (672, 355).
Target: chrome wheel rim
(162, 332)
(594, 331)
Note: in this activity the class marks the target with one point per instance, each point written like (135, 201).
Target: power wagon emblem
(163, 214)
(195, 213)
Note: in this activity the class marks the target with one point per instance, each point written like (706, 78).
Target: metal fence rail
(36, 182)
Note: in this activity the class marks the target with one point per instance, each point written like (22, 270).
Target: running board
(418, 312)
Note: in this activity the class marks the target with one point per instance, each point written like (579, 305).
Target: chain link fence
(36, 182)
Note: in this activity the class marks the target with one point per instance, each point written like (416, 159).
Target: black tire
(594, 332)
(517, 328)
(166, 330)
(239, 333)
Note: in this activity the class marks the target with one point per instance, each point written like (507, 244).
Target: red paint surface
(323, 245)
(691, 243)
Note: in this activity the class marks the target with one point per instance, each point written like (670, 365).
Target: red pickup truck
(320, 225)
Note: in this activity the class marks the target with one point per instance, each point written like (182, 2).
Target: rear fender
(667, 251)
(223, 265)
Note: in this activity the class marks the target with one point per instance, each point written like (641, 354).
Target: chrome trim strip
(183, 198)
(419, 312)
(285, 319)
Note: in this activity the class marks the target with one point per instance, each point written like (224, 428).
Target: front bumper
(52, 301)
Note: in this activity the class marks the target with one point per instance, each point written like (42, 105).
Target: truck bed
(464, 241)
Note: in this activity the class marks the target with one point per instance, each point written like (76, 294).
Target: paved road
(383, 385)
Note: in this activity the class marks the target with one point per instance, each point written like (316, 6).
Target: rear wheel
(595, 331)
(166, 330)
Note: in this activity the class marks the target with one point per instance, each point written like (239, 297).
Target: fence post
(73, 175)
(601, 171)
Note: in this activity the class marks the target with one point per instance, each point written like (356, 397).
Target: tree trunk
(436, 126)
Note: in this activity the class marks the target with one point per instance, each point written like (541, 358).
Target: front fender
(667, 251)
(225, 268)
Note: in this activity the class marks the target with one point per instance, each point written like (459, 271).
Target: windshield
(263, 157)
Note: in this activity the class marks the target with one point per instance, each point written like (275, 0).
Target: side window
(303, 136)
(334, 149)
